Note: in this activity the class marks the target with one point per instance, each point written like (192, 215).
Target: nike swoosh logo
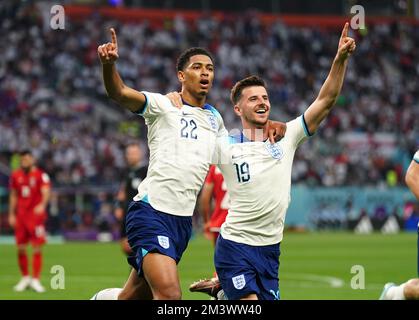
(237, 156)
(186, 114)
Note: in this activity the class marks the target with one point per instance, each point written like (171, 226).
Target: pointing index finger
(113, 35)
(345, 30)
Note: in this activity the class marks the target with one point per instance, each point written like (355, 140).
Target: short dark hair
(238, 88)
(187, 54)
(25, 152)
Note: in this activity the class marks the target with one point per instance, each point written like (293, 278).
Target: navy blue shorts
(244, 269)
(150, 230)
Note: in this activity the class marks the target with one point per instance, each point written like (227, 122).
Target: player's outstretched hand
(346, 44)
(176, 99)
(108, 52)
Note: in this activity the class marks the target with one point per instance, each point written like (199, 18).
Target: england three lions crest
(213, 122)
(164, 241)
(239, 282)
(275, 150)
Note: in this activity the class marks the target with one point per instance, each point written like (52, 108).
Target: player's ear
(181, 76)
(237, 110)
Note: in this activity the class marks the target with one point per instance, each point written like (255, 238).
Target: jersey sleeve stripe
(213, 110)
(140, 112)
(305, 127)
(145, 199)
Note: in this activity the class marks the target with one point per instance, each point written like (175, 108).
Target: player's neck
(254, 133)
(192, 100)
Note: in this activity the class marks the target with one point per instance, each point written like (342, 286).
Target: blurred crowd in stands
(53, 101)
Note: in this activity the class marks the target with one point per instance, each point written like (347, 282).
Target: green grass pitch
(312, 266)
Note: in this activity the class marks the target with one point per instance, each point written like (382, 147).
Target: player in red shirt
(214, 188)
(29, 196)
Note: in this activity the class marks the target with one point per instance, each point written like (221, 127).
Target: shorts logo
(239, 282)
(39, 231)
(275, 294)
(164, 241)
(275, 150)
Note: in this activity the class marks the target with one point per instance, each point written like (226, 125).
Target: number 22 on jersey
(188, 129)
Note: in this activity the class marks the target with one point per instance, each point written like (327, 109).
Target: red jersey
(220, 196)
(28, 189)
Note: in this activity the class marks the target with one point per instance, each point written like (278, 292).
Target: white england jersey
(258, 178)
(416, 156)
(181, 143)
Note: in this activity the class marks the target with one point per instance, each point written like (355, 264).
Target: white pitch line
(303, 279)
(331, 281)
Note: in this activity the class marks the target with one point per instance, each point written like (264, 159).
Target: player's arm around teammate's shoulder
(331, 88)
(115, 87)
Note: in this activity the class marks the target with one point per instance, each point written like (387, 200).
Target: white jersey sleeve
(297, 131)
(156, 104)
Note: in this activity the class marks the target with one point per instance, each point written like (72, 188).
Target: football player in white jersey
(258, 177)
(410, 289)
(181, 142)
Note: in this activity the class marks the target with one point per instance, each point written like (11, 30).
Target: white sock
(221, 295)
(107, 294)
(396, 292)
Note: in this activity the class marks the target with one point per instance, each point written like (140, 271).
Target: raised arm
(115, 87)
(331, 88)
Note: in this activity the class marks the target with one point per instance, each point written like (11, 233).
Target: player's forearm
(12, 205)
(332, 87)
(116, 89)
(46, 194)
(113, 82)
(206, 214)
(205, 207)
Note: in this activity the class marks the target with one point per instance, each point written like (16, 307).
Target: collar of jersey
(206, 106)
(241, 138)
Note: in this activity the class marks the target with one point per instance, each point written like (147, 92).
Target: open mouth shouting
(204, 83)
